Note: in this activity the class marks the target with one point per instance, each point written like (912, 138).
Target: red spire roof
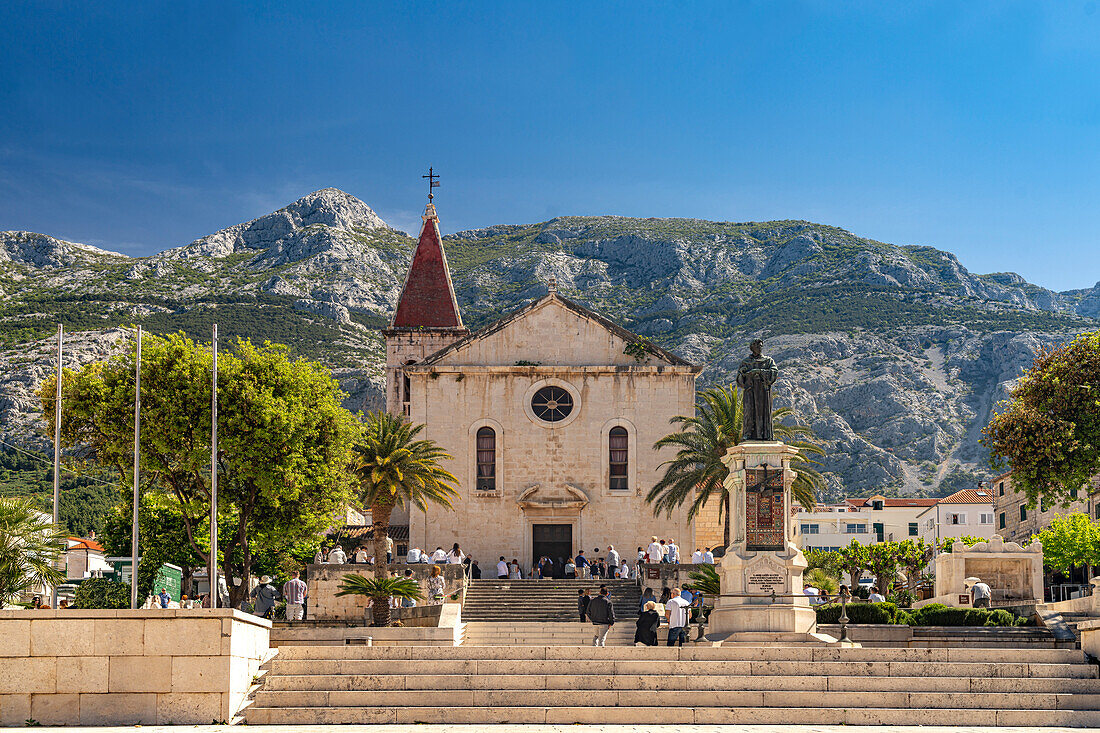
(428, 298)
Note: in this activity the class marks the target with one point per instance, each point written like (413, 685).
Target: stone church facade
(550, 421)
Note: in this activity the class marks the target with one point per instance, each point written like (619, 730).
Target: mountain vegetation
(894, 356)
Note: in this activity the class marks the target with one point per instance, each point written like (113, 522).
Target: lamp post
(845, 596)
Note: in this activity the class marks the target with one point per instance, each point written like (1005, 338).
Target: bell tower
(427, 318)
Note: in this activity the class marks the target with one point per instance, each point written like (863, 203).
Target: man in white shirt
(654, 554)
(875, 596)
(439, 557)
(697, 557)
(361, 555)
(981, 593)
(502, 568)
(337, 556)
(612, 562)
(414, 556)
(673, 552)
(676, 611)
(389, 549)
(708, 556)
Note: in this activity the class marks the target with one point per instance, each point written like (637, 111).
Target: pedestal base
(774, 618)
(760, 639)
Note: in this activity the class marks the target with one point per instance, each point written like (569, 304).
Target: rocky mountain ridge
(895, 355)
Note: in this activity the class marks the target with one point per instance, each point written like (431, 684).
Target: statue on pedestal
(755, 377)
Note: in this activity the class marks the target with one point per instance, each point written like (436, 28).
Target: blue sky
(973, 127)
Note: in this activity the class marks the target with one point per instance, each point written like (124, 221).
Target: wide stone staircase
(695, 684)
(543, 600)
(543, 633)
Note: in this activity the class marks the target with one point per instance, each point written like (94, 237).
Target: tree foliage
(285, 441)
(1049, 433)
(853, 559)
(379, 590)
(705, 579)
(395, 469)
(30, 549)
(102, 593)
(1070, 541)
(698, 474)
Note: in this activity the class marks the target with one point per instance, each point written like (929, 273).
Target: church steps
(548, 601)
(782, 715)
(694, 684)
(642, 666)
(656, 682)
(688, 653)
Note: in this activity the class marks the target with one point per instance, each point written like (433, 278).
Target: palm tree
(394, 468)
(819, 578)
(698, 473)
(30, 549)
(705, 579)
(379, 590)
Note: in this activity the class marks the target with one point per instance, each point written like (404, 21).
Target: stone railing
(73, 667)
(324, 582)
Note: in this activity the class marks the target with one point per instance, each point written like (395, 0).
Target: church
(550, 414)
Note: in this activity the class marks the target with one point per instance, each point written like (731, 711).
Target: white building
(867, 521)
(965, 513)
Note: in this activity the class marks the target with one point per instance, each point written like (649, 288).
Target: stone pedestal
(763, 558)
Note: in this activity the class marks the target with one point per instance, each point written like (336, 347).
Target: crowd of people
(672, 609)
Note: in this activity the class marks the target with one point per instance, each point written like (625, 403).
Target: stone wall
(71, 667)
(324, 582)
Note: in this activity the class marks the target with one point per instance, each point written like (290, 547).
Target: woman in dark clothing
(666, 593)
(648, 622)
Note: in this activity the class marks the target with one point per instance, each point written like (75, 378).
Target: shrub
(858, 613)
(102, 593)
(902, 598)
(937, 614)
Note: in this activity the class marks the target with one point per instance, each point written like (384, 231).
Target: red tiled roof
(892, 502)
(79, 543)
(428, 299)
(969, 496)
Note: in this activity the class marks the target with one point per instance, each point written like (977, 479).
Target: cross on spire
(432, 182)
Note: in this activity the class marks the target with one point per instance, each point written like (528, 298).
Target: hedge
(102, 593)
(934, 614)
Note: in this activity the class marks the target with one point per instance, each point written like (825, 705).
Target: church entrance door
(555, 541)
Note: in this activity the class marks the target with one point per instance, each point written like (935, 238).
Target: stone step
(780, 715)
(674, 699)
(610, 667)
(999, 685)
(802, 654)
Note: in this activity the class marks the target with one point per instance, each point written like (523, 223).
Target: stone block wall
(324, 582)
(72, 667)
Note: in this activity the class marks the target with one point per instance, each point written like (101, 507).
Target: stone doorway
(554, 541)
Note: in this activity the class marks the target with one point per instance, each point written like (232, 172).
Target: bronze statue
(755, 377)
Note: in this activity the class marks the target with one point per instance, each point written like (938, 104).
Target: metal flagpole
(212, 565)
(137, 461)
(57, 446)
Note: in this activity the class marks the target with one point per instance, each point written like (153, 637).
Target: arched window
(486, 459)
(406, 391)
(618, 458)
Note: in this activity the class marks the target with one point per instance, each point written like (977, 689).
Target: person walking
(435, 586)
(546, 567)
(582, 565)
(410, 602)
(264, 597)
(613, 562)
(648, 622)
(677, 614)
(294, 593)
(583, 599)
(389, 550)
(502, 569)
(601, 613)
(164, 598)
(654, 554)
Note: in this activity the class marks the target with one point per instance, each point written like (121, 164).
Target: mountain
(895, 355)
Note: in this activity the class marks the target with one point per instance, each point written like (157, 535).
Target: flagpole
(137, 461)
(57, 446)
(212, 565)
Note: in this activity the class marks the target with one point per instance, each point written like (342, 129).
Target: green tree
(394, 469)
(883, 561)
(1049, 432)
(697, 472)
(284, 449)
(379, 590)
(821, 579)
(705, 579)
(948, 542)
(102, 593)
(853, 559)
(913, 555)
(1070, 541)
(31, 547)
